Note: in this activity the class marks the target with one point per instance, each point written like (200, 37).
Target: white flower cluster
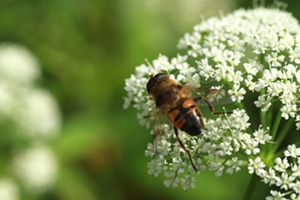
(30, 118)
(249, 51)
(216, 150)
(32, 109)
(285, 173)
(255, 49)
(37, 161)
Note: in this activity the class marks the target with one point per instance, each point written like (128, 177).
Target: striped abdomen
(186, 116)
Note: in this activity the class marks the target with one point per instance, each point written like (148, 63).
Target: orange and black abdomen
(186, 116)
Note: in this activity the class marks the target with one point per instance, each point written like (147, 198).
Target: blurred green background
(86, 49)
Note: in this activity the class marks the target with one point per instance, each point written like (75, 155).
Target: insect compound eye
(154, 80)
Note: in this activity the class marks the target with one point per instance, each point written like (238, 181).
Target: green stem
(252, 187)
(282, 135)
(276, 125)
(263, 120)
(268, 151)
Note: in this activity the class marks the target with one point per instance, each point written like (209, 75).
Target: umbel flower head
(249, 52)
(29, 120)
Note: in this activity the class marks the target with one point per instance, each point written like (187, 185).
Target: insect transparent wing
(215, 96)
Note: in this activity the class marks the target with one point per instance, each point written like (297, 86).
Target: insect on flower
(176, 103)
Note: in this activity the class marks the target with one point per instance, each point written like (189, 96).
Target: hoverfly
(176, 103)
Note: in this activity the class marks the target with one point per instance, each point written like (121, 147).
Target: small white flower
(252, 67)
(298, 122)
(179, 61)
(290, 71)
(250, 83)
(270, 177)
(295, 169)
(225, 146)
(156, 166)
(261, 136)
(295, 55)
(264, 102)
(274, 59)
(285, 181)
(216, 166)
(162, 63)
(256, 166)
(269, 76)
(188, 181)
(276, 196)
(287, 96)
(172, 179)
(237, 93)
(292, 151)
(200, 165)
(163, 146)
(149, 152)
(219, 171)
(206, 70)
(234, 165)
(178, 165)
(296, 188)
(235, 76)
(187, 75)
(249, 145)
(281, 165)
(288, 111)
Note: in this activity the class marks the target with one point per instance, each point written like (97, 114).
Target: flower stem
(276, 125)
(283, 133)
(252, 187)
(268, 151)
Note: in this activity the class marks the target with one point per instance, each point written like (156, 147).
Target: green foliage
(86, 49)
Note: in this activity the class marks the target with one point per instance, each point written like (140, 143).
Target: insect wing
(215, 96)
(161, 126)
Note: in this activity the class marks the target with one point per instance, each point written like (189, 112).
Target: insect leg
(156, 130)
(184, 148)
(211, 107)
